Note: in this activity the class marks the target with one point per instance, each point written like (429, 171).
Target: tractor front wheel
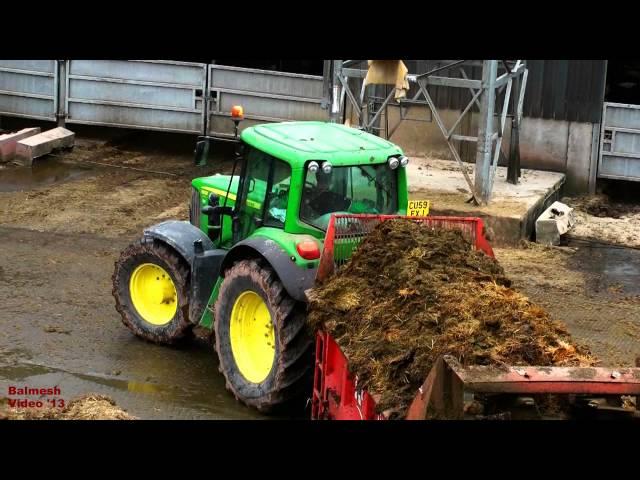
(262, 339)
(151, 289)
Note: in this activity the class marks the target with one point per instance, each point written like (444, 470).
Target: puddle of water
(142, 396)
(611, 266)
(45, 171)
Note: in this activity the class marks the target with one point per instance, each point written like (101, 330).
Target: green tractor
(241, 265)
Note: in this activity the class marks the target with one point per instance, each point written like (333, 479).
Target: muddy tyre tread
(292, 379)
(180, 326)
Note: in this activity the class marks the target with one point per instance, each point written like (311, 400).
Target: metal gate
(28, 88)
(157, 94)
(265, 95)
(620, 142)
(148, 94)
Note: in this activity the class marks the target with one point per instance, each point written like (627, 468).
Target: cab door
(251, 194)
(263, 195)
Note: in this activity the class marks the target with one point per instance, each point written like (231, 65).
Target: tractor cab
(293, 176)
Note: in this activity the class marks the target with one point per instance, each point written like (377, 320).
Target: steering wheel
(323, 220)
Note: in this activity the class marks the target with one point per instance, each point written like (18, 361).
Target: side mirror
(214, 211)
(202, 153)
(214, 200)
(252, 185)
(211, 211)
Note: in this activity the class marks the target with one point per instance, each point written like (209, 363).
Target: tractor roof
(297, 142)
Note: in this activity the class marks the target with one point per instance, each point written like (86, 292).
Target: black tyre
(264, 345)
(151, 289)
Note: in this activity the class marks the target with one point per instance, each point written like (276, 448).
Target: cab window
(264, 193)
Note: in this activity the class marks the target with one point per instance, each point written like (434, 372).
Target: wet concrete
(611, 267)
(202, 398)
(58, 326)
(45, 171)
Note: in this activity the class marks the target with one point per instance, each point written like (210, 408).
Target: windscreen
(370, 189)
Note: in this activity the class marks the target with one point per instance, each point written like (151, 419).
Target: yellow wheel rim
(153, 294)
(252, 337)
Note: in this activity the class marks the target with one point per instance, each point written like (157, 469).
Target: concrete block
(8, 142)
(42, 144)
(547, 232)
(554, 221)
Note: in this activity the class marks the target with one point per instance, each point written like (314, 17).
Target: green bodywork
(294, 144)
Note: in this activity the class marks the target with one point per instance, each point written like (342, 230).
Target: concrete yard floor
(62, 227)
(593, 289)
(511, 211)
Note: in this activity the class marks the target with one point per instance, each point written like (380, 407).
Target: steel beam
(503, 118)
(513, 169)
(354, 102)
(471, 90)
(382, 107)
(452, 82)
(485, 128)
(452, 147)
(464, 112)
(336, 106)
(495, 79)
(464, 138)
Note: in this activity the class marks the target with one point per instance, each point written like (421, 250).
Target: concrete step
(8, 142)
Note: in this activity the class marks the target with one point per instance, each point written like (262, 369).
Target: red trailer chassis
(449, 388)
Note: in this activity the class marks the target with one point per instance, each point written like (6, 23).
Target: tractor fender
(180, 235)
(294, 279)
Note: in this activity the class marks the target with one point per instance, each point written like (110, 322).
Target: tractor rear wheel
(263, 343)
(151, 289)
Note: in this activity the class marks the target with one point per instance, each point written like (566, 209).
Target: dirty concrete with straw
(85, 407)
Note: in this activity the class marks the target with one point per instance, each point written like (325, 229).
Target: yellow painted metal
(153, 294)
(232, 196)
(252, 337)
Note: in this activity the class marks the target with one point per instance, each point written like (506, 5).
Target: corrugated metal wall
(565, 89)
(556, 89)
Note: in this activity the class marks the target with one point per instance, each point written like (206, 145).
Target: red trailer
(449, 389)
